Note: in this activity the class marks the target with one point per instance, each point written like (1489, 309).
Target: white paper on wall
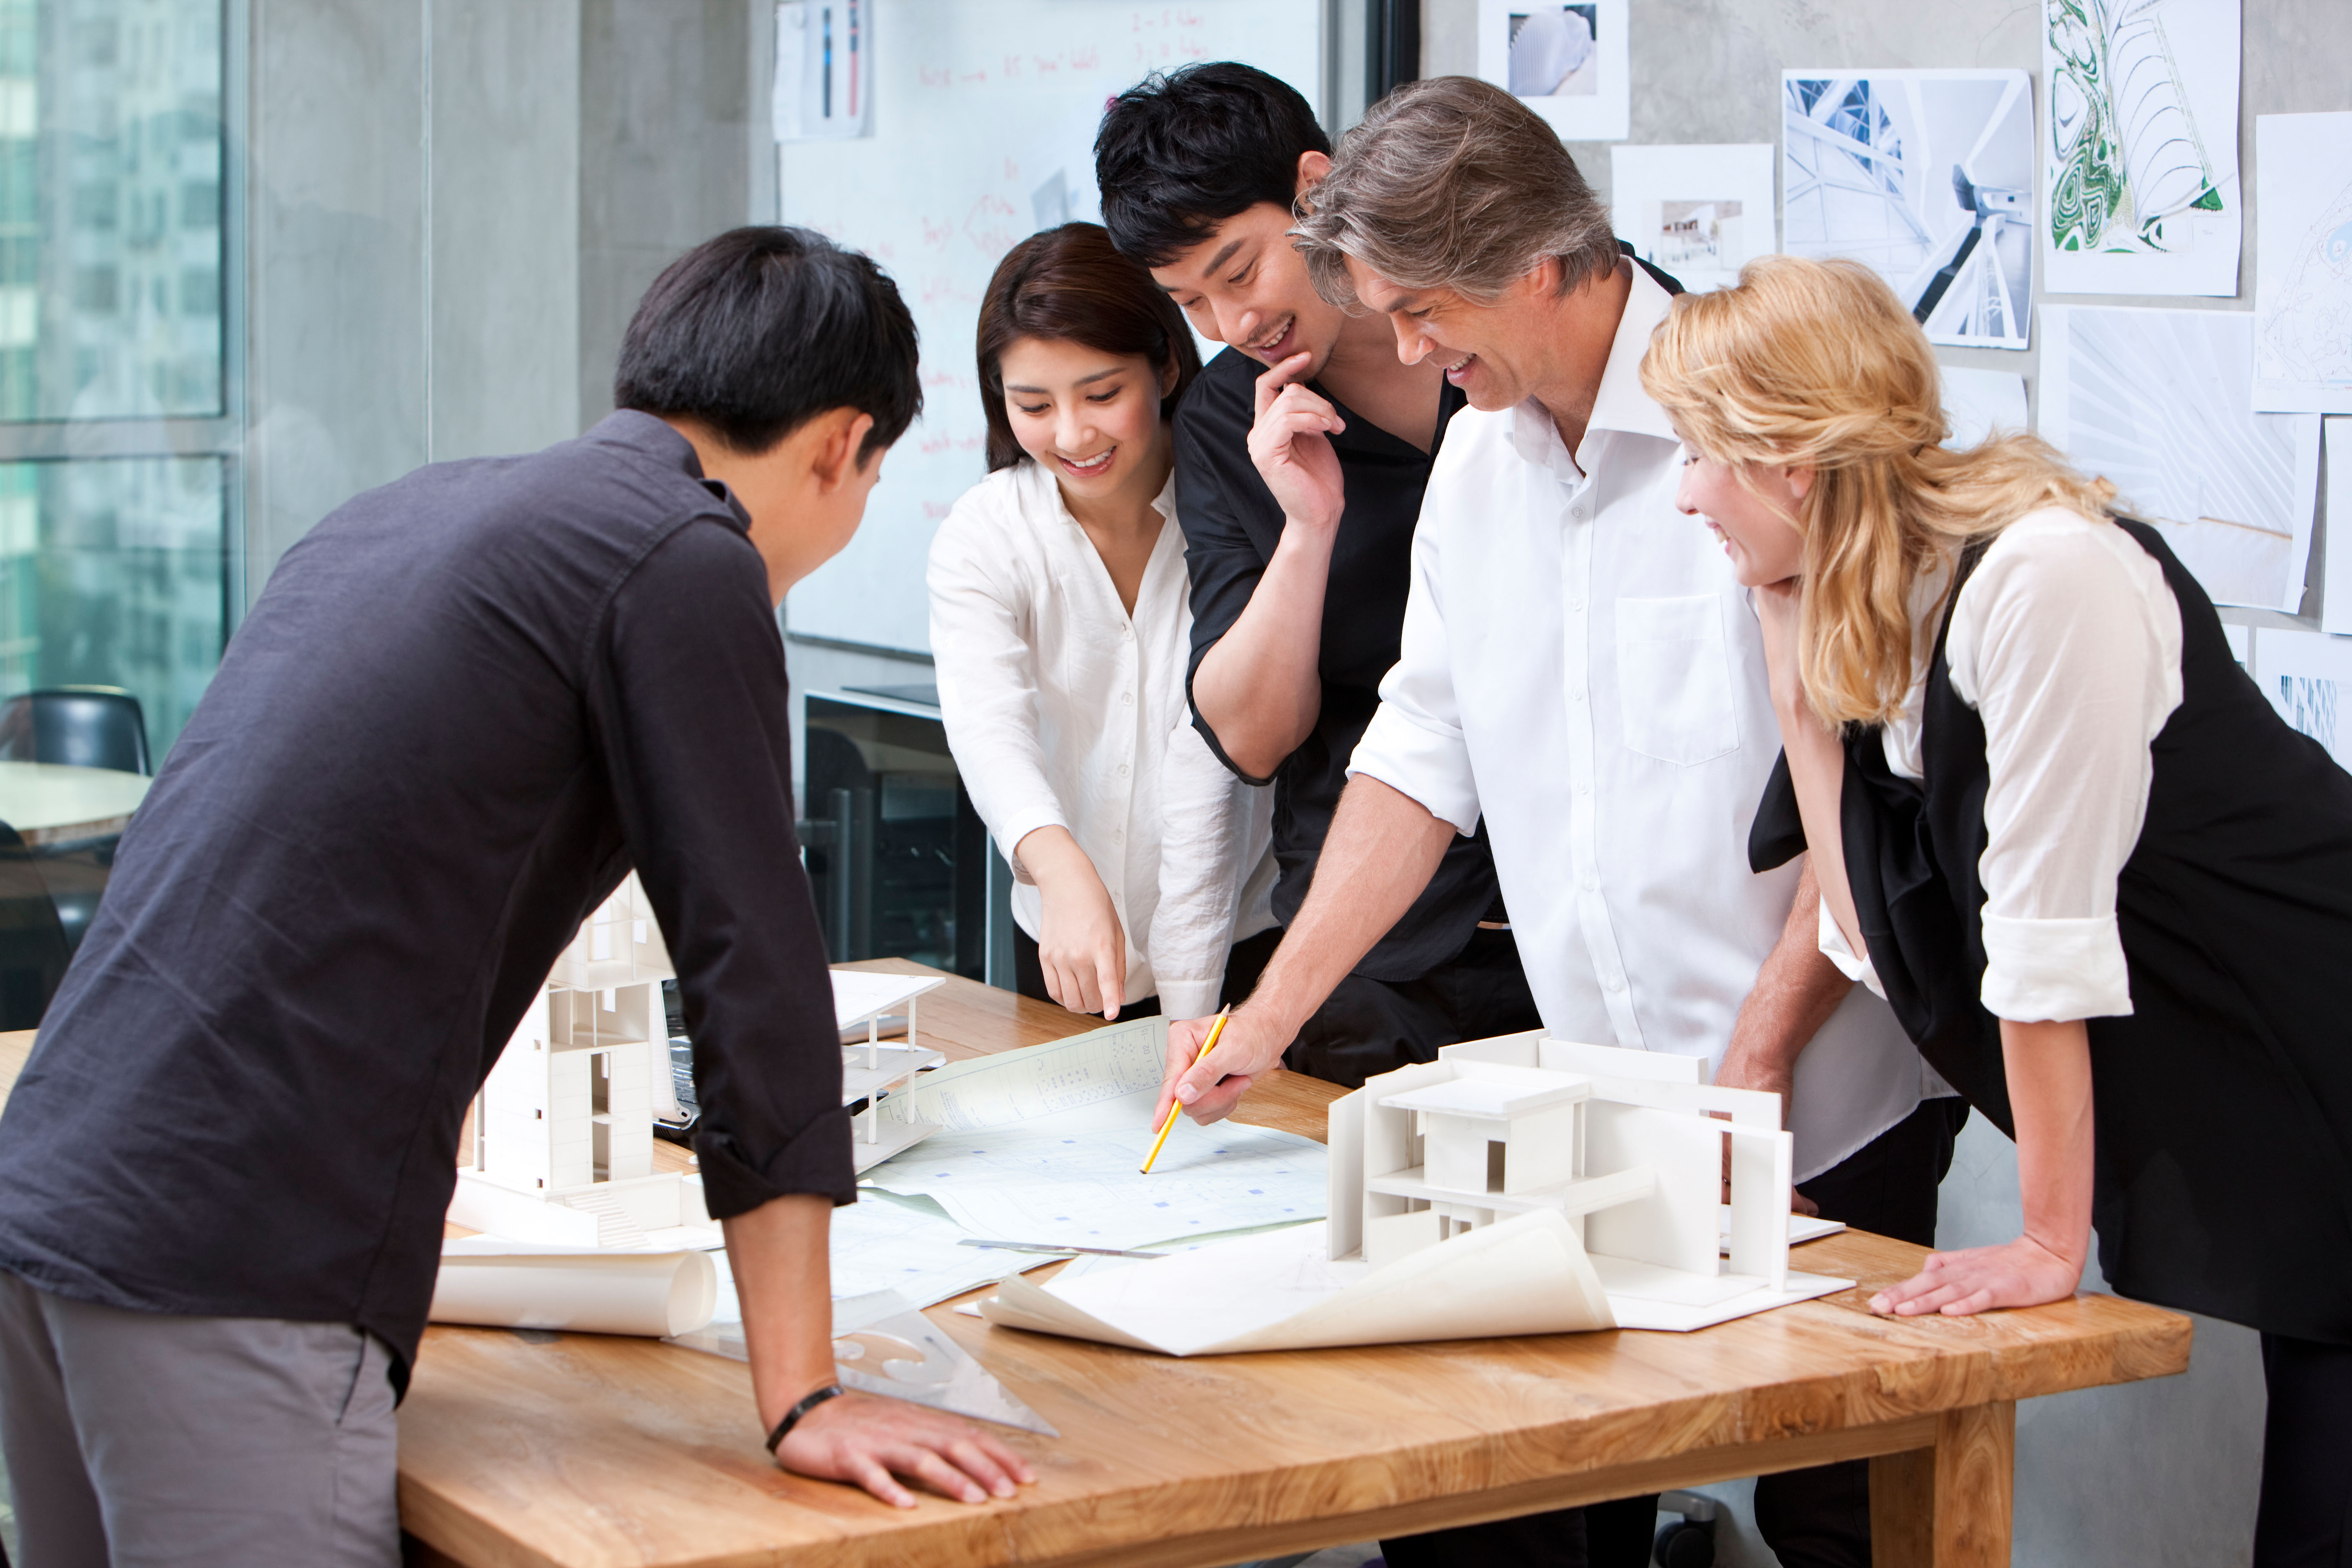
(2336, 594)
(2140, 191)
(2153, 400)
(2308, 676)
(1697, 213)
(1926, 175)
(2303, 268)
(1978, 402)
(1570, 63)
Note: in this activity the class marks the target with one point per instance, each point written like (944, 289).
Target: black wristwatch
(792, 1417)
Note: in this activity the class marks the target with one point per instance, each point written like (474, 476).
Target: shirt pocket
(1674, 678)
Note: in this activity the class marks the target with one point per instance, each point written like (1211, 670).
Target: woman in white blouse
(1061, 625)
(2103, 884)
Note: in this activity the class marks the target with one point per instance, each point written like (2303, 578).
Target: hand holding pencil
(1207, 1090)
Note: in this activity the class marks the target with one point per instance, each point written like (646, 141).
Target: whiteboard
(983, 115)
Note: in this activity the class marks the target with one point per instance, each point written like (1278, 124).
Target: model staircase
(615, 1228)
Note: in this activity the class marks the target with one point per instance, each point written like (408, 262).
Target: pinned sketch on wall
(1570, 63)
(2154, 401)
(1697, 213)
(2336, 593)
(2308, 676)
(1978, 402)
(983, 135)
(2141, 172)
(824, 71)
(1925, 175)
(2303, 268)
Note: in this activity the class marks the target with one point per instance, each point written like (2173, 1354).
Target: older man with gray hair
(1580, 668)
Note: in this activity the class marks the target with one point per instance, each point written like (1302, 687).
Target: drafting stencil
(2303, 268)
(1927, 176)
(2140, 167)
(1699, 213)
(2155, 402)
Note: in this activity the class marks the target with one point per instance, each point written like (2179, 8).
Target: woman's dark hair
(1178, 155)
(761, 330)
(1069, 284)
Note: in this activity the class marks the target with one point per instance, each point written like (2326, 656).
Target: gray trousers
(141, 1439)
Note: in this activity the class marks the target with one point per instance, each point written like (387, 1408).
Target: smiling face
(1089, 418)
(1493, 352)
(1246, 285)
(1750, 512)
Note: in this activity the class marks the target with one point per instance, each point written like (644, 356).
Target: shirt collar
(1621, 404)
(658, 440)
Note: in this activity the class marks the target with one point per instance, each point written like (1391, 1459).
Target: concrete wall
(2153, 1474)
(453, 206)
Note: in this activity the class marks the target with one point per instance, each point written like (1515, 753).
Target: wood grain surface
(593, 1452)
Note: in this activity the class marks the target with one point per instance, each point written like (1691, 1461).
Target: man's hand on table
(870, 1441)
(1209, 1092)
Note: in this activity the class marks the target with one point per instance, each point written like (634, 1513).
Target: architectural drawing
(563, 1146)
(2303, 280)
(1566, 59)
(2141, 166)
(1699, 213)
(1925, 175)
(2308, 676)
(2155, 402)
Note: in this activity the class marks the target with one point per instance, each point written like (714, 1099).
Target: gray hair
(1452, 184)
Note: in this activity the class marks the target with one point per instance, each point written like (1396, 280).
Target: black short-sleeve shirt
(1232, 523)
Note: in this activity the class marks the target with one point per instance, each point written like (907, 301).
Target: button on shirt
(1581, 670)
(1064, 710)
(466, 705)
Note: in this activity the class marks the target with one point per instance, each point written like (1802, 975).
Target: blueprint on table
(1106, 1078)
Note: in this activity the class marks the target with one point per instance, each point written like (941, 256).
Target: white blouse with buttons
(2066, 640)
(1064, 711)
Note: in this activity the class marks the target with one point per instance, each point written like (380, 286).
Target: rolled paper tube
(656, 1294)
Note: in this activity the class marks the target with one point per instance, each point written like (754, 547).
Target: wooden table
(589, 1452)
(48, 802)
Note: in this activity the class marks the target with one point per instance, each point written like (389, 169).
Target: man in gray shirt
(465, 706)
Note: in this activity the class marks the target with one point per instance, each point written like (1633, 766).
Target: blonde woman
(2104, 886)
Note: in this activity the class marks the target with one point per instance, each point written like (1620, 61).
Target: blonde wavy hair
(1815, 365)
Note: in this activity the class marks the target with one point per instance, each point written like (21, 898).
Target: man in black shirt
(466, 705)
(1297, 610)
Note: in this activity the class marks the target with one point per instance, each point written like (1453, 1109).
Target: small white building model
(1629, 1146)
(563, 1146)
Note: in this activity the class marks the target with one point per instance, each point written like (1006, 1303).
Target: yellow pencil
(1175, 1108)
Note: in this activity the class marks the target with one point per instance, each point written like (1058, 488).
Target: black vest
(2224, 1099)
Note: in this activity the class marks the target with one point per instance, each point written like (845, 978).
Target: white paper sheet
(2308, 676)
(2139, 188)
(1526, 1274)
(2154, 401)
(2303, 268)
(655, 1294)
(1927, 176)
(1699, 213)
(1570, 63)
(2335, 597)
(1088, 1081)
(1978, 402)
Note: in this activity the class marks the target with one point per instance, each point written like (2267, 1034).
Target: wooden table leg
(1949, 1506)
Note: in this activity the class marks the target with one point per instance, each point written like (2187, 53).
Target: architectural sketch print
(1925, 175)
(1698, 212)
(2308, 676)
(2303, 268)
(2140, 167)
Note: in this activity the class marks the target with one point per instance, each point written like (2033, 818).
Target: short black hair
(1180, 153)
(761, 330)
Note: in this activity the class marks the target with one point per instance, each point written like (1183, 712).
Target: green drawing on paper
(2127, 159)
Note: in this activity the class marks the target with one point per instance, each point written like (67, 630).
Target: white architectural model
(1629, 1146)
(562, 1148)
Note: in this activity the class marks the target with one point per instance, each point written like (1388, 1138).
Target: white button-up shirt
(1064, 711)
(1580, 665)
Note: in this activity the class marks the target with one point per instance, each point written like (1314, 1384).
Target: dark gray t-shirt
(465, 706)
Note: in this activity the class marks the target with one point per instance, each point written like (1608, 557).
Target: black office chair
(32, 953)
(81, 726)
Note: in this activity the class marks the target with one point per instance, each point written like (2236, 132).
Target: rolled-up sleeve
(2067, 641)
(986, 664)
(1414, 743)
(1213, 846)
(689, 703)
